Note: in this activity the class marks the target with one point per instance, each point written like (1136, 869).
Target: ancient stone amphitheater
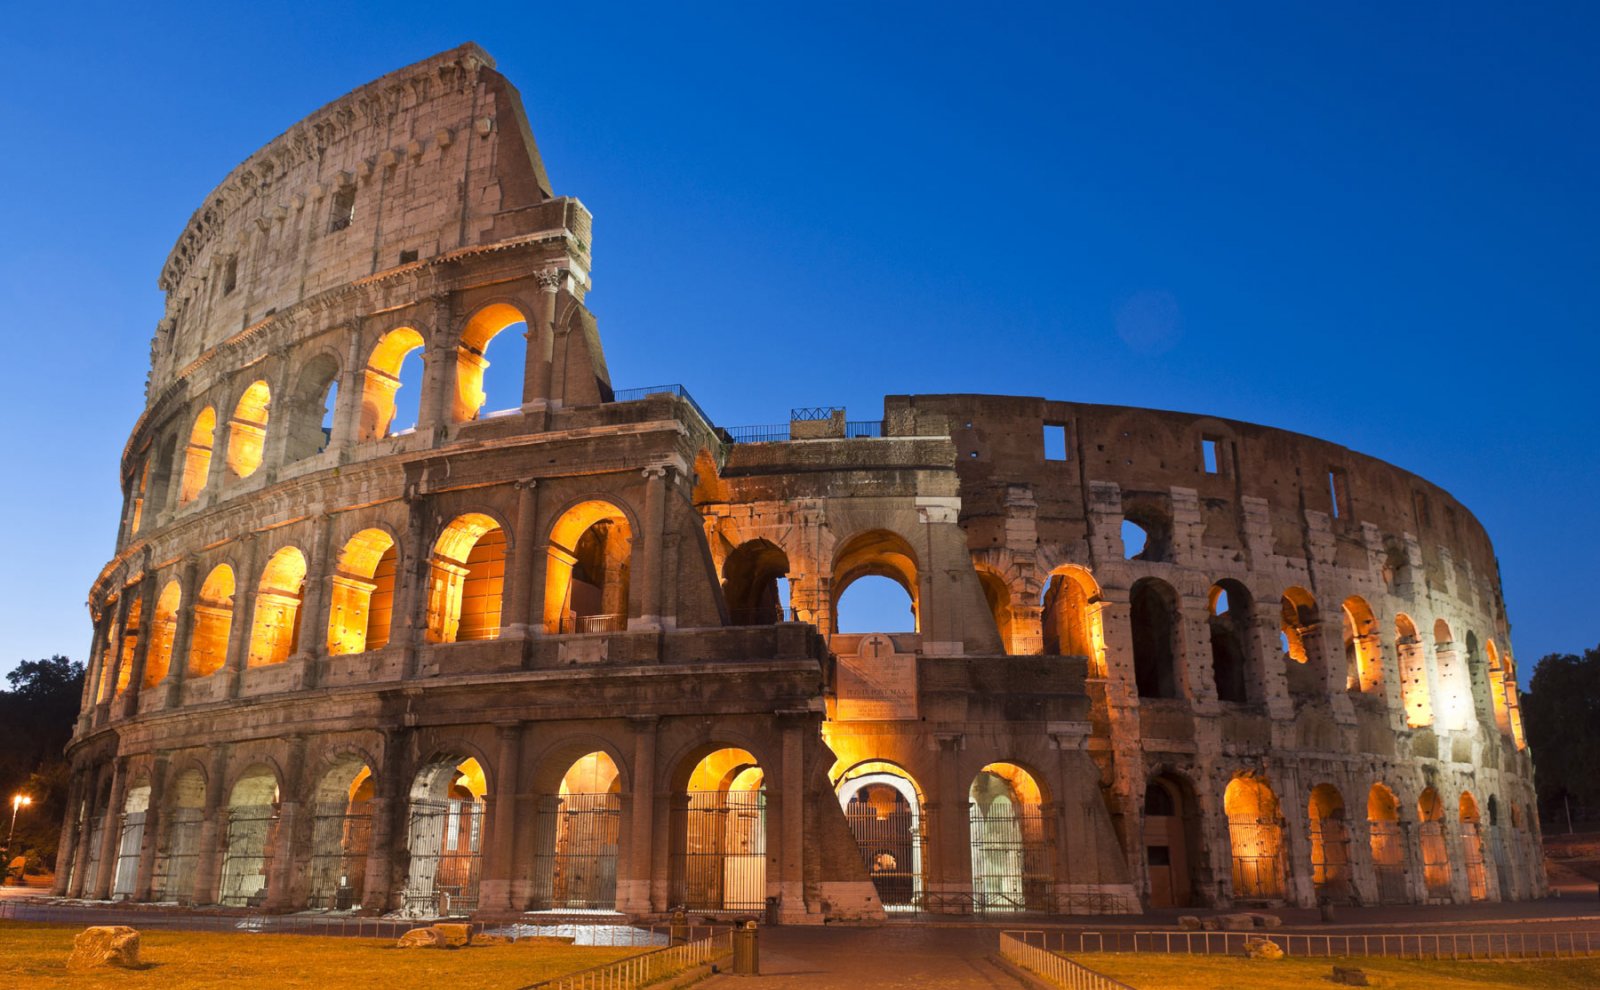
(574, 647)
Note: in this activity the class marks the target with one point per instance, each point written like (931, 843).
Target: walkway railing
(632, 394)
(1390, 945)
(645, 968)
(1016, 949)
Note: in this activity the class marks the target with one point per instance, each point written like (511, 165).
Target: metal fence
(723, 863)
(633, 394)
(1389, 945)
(576, 865)
(1017, 949)
(647, 967)
(772, 433)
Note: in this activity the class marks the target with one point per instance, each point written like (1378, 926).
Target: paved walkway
(887, 958)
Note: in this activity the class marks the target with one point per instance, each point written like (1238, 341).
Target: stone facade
(542, 658)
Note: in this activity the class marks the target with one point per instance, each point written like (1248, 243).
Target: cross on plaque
(877, 642)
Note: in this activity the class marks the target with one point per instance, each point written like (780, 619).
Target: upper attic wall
(426, 160)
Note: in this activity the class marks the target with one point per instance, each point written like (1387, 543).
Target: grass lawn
(1148, 971)
(33, 955)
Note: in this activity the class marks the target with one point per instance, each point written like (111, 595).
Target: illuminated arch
(1330, 843)
(586, 576)
(1255, 837)
(163, 629)
(178, 855)
(1363, 654)
(884, 808)
(1388, 845)
(878, 553)
(247, 430)
(1010, 841)
(252, 815)
(197, 456)
(1431, 839)
(1472, 847)
(1455, 684)
(1071, 617)
(719, 859)
(1299, 628)
(1413, 661)
(275, 633)
(752, 578)
(483, 328)
(1499, 690)
(130, 640)
(362, 609)
(445, 837)
(382, 379)
(467, 580)
(213, 620)
(341, 830)
(315, 396)
(578, 832)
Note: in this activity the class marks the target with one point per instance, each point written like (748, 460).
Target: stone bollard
(105, 945)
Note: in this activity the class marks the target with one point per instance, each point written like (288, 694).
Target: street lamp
(18, 802)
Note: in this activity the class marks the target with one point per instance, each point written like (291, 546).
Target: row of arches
(1407, 857)
(386, 402)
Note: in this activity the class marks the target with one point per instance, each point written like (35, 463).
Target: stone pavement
(886, 958)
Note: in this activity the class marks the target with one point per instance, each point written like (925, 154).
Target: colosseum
(380, 637)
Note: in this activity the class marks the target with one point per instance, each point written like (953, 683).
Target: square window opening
(1055, 441)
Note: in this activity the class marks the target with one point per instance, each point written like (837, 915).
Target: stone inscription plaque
(877, 684)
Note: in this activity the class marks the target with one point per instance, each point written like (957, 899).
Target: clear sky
(1372, 223)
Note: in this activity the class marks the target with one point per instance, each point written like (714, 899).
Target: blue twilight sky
(1373, 223)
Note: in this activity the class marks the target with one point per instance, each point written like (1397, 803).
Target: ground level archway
(719, 860)
(1010, 841)
(444, 833)
(578, 830)
(883, 807)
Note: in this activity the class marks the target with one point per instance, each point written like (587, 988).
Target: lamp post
(18, 802)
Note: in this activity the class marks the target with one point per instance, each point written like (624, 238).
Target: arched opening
(135, 806)
(1508, 880)
(97, 809)
(1153, 614)
(341, 833)
(1146, 527)
(1301, 625)
(391, 385)
(197, 456)
(1232, 612)
(247, 430)
(1070, 618)
(445, 838)
(720, 854)
(165, 467)
(1363, 655)
(313, 404)
(1455, 684)
(883, 807)
(130, 640)
(1413, 659)
(504, 327)
(755, 579)
(586, 577)
(1255, 835)
(1169, 846)
(1431, 840)
(1388, 845)
(163, 628)
(466, 580)
(1012, 868)
(362, 608)
(875, 606)
(1330, 844)
(252, 829)
(578, 831)
(275, 634)
(1499, 691)
(179, 852)
(213, 620)
(997, 596)
(140, 490)
(1472, 848)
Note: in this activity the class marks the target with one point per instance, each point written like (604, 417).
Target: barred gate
(175, 867)
(1472, 846)
(1257, 863)
(1509, 881)
(337, 866)
(446, 843)
(1330, 860)
(91, 858)
(1435, 858)
(127, 876)
(723, 864)
(891, 849)
(1389, 862)
(244, 858)
(1011, 863)
(576, 867)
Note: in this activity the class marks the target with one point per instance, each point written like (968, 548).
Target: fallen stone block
(105, 945)
(1267, 920)
(1350, 976)
(1237, 922)
(423, 938)
(1210, 924)
(455, 934)
(491, 940)
(1189, 922)
(1263, 948)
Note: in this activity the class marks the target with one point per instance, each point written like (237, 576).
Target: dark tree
(1561, 715)
(36, 718)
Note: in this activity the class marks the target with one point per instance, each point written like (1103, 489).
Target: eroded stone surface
(105, 945)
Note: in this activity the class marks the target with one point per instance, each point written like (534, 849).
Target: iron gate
(174, 876)
(1257, 865)
(1330, 857)
(1472, 847)
(91, 858)
(723, 863)
(891, 849)
(1011, 864)
(1389, 862)
(244, 858)
(128, 844)
(576, 867)
(446, 843)
(337, 866)
(1435, 858)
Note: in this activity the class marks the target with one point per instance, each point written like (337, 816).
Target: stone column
(411, 579)
(388, 805)
(147, 612)
(518, 594)
(183, 632)
(538, 378)
(647, 561)
(115, 634)
(347, 414)
(213, 830)
(433, 412)
(283, 853)
(94, 670)
(793, 797)
(66, 848)
(950, 863)
(145, 878)
(497, 891)
(315, 604)
(1293, 804)
(1262, 642)
(244, 614)
(85, 832)
(635, 870)
(111, 835)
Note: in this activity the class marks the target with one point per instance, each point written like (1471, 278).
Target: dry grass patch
(35, 955)
(1160, 972)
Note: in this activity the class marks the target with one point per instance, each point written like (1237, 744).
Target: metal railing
(632, 394)
(646, 967)
(610, 622)
(857, 429)
(774, 433)
(1016, 949)
(809, 413)
(1385, 945)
